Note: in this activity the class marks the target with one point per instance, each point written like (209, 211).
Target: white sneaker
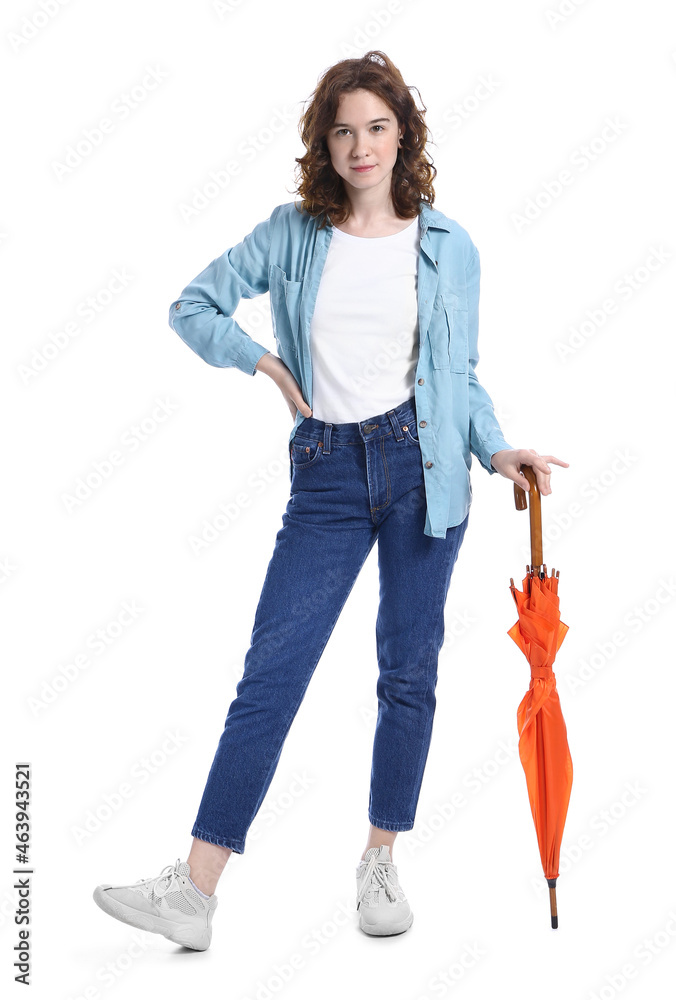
(381, 902)
(166, 904)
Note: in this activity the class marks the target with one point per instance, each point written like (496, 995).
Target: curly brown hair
(320, 187)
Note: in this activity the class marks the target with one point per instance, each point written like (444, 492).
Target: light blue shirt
(285, 255)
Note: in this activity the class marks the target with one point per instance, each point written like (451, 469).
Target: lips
(364, 169)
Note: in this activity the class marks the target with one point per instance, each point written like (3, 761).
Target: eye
(340, 130)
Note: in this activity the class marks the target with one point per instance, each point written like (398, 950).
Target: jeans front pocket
(305, 453)
(411, 432)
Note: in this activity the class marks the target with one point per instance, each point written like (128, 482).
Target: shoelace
(169, 872)
(381, 872)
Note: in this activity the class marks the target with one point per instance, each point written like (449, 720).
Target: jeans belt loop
(398, 433)
(327, 439)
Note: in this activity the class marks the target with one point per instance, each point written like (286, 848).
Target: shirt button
(421, 381)
(423, 423)
(428, 465)
(178, 305)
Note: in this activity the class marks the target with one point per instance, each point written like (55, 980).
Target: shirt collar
(433, 217)
(429, 217)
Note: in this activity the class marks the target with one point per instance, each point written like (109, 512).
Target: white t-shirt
(364, 330)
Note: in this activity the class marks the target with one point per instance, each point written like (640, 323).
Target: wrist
(267, 363)
(495, 455)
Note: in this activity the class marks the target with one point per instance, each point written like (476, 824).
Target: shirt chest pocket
(448, 335)
(285, 297)
(456, 324)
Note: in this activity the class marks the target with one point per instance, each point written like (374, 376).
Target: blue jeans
(351, 483)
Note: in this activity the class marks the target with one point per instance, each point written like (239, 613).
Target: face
(365, 133)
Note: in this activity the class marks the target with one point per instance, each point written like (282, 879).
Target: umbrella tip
(555, 922)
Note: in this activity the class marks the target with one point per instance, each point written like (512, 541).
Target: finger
(546, 458)
(541, 467)
(543, 476)
(544, 472)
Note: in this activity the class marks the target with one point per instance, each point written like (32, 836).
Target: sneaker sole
(183, 934)
(375, 931)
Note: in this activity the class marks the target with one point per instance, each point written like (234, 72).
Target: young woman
(374, 297)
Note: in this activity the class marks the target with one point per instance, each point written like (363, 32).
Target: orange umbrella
(543, 742)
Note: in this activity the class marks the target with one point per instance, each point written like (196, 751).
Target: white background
(532, 91)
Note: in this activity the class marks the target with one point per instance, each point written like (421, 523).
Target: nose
(361, 146)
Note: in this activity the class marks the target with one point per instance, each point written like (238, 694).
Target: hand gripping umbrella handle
(535, 513)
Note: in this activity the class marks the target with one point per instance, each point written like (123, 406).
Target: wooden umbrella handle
(535, 513)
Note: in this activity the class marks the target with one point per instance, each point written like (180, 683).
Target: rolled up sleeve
(202, 314)
(486, 437)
